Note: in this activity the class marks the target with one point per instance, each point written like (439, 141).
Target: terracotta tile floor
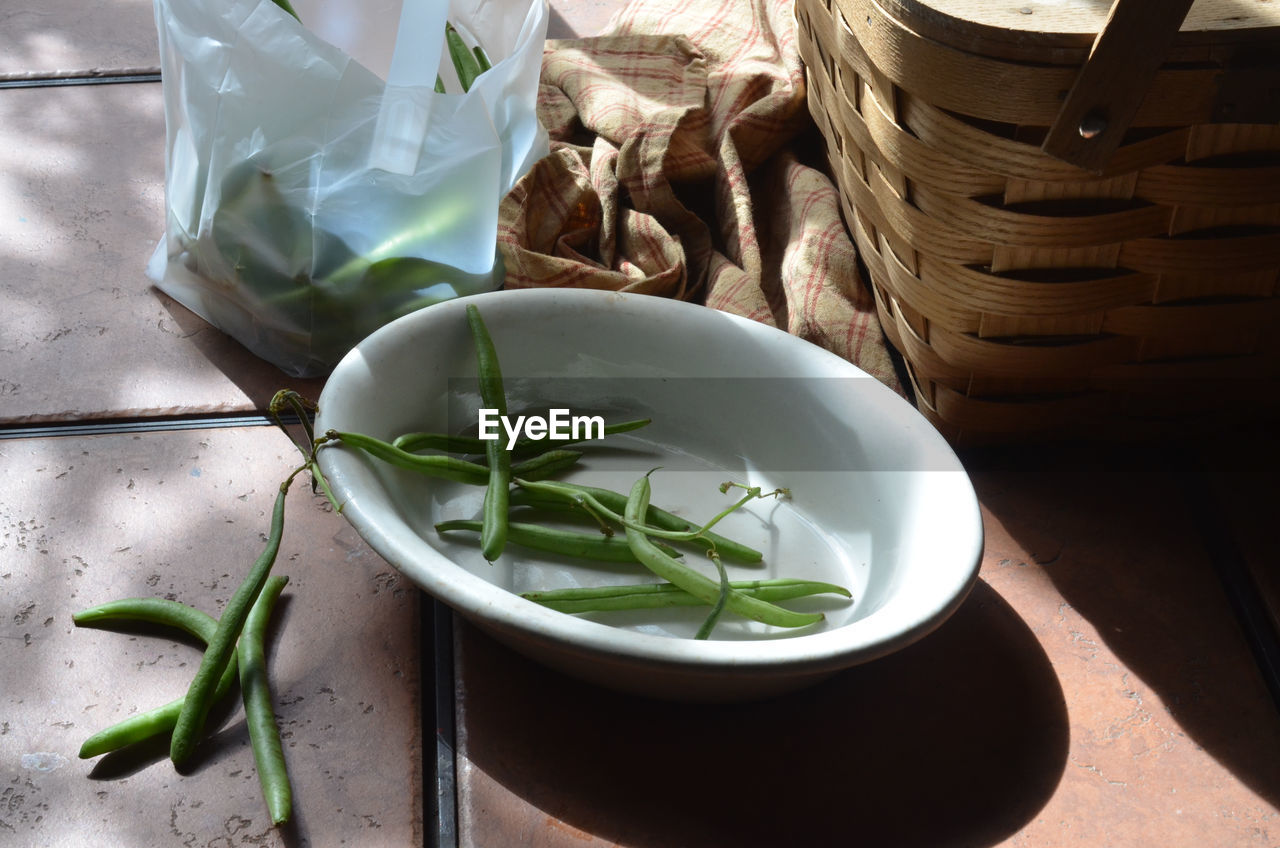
(1096, 689)
(63, 36)
(181, 514)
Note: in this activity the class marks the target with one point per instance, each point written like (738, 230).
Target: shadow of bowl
(959, 739)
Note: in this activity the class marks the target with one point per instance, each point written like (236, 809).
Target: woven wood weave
(1030, 297)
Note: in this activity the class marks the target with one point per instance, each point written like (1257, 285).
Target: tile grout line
(440, 755)
(1237, 583)
(115, 427)
(92, 76)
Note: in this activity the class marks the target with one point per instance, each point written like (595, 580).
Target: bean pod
(222, 645)
(160, 720)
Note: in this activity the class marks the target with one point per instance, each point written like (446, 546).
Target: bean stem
(259, 713)
(693, 582)
(303, 409)
(145, 725)
(661, 595)
(562, 495)
(222, 646)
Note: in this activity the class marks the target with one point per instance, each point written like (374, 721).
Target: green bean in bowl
(759, 515)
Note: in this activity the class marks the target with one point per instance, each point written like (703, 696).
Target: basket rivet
(1093, 125)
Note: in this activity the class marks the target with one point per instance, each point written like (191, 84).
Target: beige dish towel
(671, 173)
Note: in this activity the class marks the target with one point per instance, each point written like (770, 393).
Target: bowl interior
(878, 502)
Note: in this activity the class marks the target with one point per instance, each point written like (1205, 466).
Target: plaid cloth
(671, 173)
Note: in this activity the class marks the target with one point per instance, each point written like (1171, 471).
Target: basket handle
(1121, 67)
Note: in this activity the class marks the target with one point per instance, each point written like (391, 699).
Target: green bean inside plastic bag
(310, 199)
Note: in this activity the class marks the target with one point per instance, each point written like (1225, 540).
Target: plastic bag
(310, 201)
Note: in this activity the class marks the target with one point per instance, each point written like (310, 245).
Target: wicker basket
(1032, 296)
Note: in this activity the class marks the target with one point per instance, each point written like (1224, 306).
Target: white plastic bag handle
(415, 62)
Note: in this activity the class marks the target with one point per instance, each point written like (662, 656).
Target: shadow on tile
(1124, 548)
(255, 377)
(57, 35)
(968, 724)
(88, 337)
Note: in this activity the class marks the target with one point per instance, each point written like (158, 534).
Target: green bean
(559, 493)
(722, 598)
(660, 595)
(413, 442)
(451, 468)
(493, 537)
(286, 6)
(697, 584)
(259, 714)
(559, 501)
(545, 464)
(143, 726)
(222, 646)
(464, 61)
(445, 467)
(565, 542)
(150, 611)
(482, 59)
(420, 441)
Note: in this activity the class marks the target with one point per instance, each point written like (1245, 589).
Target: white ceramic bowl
(879, 502)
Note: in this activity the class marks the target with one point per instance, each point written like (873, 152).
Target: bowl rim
(869, 637)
